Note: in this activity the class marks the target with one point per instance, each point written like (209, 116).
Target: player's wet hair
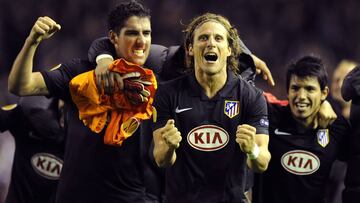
(308, 66)
(122, 12)
(232, 38)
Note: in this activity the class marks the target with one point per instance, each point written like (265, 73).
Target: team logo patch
(9, 107)
(231, 108)
(264, 122)
(129, 127)
(47, 165)
(300, 162)
(208, 138)
(323, 137)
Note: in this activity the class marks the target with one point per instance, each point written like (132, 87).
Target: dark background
(277, 31)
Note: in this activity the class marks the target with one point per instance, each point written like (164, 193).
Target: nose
(301, 93)
(211, 42)
(141, 40)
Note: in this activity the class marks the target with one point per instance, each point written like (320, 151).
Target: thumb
(57, 27)
(170, 122)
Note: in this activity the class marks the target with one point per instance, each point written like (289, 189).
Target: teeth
(301, 105)
(139, 52)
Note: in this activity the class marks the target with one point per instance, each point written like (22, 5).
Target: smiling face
(305, 97)
(210, 48)
(134, 39)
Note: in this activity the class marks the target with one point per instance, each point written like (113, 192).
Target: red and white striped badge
(231, 108)
(323, 137)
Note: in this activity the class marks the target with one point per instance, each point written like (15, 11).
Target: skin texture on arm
(261, 68)
(22, 80)
(7, 148)
(167, 140)
(325, 117)
(247, 138)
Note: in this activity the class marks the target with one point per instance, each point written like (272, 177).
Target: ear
(190, 51)
(112, 36)
(229, 51)
(324, 93)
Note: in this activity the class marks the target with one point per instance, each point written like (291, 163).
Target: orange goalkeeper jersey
(94, 106)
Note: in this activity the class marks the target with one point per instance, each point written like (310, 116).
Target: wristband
(103, 56)
(254, 153)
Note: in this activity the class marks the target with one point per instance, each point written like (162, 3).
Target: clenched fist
(43, 28)
(245, 136)
(171, 134)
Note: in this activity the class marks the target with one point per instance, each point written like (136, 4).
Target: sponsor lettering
(300, 162)
(208, 138)
(47, 165)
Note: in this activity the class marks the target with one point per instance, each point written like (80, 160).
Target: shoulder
(78, 65)
(69, 69)
(177, 82)
(340, 125)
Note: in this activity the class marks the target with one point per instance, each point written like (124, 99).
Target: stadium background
(277, 31)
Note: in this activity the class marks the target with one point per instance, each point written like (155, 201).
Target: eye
(203, 37)
(219, 38)
(147, 33)
(294, 88)
(131, 32)
(310, 88)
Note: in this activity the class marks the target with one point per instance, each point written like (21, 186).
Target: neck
(211, 83)
(306, 123)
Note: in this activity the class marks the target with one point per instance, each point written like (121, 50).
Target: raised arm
(22, 80)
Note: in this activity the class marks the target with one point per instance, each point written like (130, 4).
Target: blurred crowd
(277, 31)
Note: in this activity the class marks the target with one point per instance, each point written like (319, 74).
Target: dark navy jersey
(210, 166)
(39, 138)
(351, 90)
(93, 171)
(301, 158)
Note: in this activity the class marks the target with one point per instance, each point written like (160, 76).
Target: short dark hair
(123, 11)
(308, 66)
(232, 38)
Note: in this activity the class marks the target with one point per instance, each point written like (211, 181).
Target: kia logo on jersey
(47, 165)
(300, 162)
(208, 138)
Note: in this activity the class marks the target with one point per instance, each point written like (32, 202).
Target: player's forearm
(259, 159)
(20, 75)
(261, 163)
(164, 156)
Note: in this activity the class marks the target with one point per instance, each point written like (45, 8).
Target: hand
(261, 67)
(245, 136)
(171, 134)
(136, 91)
(43, 28)
(104, 78)
(325, 116)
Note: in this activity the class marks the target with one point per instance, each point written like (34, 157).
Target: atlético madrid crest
(231, 108)
(323, 137)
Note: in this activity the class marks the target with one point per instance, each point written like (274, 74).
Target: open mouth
(211, 57)
(139, 52)
(302, 106)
